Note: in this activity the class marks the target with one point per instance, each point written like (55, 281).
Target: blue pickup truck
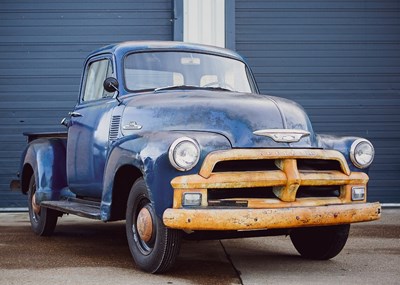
(176, 139)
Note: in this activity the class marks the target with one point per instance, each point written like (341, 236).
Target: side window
(97, 72)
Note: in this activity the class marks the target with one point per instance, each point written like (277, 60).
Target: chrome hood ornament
(283, 135)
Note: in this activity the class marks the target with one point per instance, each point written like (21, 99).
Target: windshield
(158, 70)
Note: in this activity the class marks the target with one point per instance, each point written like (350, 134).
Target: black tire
(320, 243)
(159, 252)
(43, 221)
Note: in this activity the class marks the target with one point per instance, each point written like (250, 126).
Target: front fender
(47, 159)
(149, 154)
(341, 144)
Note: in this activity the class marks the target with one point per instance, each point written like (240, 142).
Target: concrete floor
(90, 252)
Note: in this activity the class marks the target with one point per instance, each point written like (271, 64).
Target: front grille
(270, 164)
(240, 193)
(318, 192)
(245, 165)
(272, 178)
(318, 165)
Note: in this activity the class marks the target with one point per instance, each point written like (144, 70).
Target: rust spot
(35, 206)
(239, 219)
(244, 154)
(144, 224)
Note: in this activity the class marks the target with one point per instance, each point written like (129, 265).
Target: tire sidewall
(149, 261)
(42, 224)
(320, 243)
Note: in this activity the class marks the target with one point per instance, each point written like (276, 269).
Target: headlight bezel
(172, 152)
(353, 153)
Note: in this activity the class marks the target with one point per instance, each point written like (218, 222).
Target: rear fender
(47, 159)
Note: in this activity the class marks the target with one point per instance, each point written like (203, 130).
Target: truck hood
(234, 115)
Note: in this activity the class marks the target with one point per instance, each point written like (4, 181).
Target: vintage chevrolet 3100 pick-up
(175, 139)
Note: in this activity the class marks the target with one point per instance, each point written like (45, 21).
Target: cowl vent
(114, 128)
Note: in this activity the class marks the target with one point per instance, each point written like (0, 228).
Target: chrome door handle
(75, 114)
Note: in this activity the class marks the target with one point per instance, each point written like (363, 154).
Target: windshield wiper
(176, 87)
(189, 87)
(219, 88)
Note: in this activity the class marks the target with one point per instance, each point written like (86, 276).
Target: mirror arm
(117, 96)
(118, 99)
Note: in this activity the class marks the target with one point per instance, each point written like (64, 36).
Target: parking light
(191, 199)
(358, 193)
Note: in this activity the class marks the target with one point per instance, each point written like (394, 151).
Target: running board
(79, 207)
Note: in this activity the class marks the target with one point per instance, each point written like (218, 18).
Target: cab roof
(120, 49)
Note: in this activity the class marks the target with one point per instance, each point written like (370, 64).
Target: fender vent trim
(114, 128)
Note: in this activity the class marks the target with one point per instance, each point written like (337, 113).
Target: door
(88, 133)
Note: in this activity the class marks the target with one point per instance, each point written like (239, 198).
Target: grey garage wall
(42, 48)
(341, 61)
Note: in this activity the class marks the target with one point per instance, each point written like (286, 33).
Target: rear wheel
(153, 246)
(43, 220)
(320, 243)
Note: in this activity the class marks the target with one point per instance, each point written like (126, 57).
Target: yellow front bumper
(287, 209)
(280, 218)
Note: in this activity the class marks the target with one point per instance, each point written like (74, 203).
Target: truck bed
(33, 136)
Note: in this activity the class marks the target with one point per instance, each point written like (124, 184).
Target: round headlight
(184, 153)
(362, 153)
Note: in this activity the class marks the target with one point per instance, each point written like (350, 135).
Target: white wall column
(204, 22)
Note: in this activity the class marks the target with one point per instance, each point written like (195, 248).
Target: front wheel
(153, 246)
(43, 220)
(320, 243)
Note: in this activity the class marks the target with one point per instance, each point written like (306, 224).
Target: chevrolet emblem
(132, 126)
(283, 135)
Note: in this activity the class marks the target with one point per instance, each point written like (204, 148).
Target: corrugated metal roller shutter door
(42, 48)
(341, 61)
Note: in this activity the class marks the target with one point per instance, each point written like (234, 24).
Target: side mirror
(65, 122)
(111, 84)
